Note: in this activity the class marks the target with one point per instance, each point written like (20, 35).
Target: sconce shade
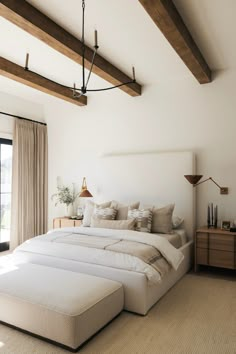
(85, 194)
(193, 179)
(84, 190)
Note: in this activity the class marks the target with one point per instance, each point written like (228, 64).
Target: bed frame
(140, 296)
(154, 179)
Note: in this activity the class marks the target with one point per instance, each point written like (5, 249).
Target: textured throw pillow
(162, 219)
(143, 219)
(122, 209)
(104, 213)
(88, 211)
(113, 224)
(176, 221)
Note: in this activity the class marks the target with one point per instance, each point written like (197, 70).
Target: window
(5, 192)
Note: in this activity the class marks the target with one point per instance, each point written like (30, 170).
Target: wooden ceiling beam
(168, 20)
(27, 17)
(19, 74)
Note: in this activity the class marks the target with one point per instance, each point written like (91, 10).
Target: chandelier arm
(91, 68)
(112, 87)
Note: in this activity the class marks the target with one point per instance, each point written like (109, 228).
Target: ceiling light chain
(76, 92)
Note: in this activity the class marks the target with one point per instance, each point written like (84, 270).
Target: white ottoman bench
(62, 306)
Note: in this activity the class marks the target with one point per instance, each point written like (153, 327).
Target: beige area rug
(198, 315)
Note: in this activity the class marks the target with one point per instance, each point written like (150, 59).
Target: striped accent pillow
(104, 213)
(143, 219)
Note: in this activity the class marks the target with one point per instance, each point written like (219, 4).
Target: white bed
(157, 179)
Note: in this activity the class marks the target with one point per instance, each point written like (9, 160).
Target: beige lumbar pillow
(143, 219)
(162, 219)
(104, 213)
(88, 211)
(113, 224)
(122, 209)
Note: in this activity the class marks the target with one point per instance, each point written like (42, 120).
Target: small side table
(215, 247)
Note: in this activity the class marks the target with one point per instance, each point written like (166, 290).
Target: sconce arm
(223, 190)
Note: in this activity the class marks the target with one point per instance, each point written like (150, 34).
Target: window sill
(5, 253)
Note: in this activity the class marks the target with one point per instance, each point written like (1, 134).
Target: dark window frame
(4, 246)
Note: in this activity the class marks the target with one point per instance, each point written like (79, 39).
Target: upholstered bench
(62, 306)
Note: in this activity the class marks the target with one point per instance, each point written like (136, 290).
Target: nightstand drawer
(221, 242)
(202, 256)
(56, 223)
(202, 240)
(78, 223)
(67, 223)
(222, 259)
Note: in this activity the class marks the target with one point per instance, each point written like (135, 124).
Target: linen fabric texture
(29, 209)
(104, 213)
(143, 219)
(113, 224)
(162, 219)
(88, 211)
(122, 209)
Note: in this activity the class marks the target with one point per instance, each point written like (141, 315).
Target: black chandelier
(78, 92)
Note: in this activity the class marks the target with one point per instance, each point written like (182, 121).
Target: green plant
(65, 195)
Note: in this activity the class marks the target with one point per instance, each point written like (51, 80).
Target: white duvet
(61, 243)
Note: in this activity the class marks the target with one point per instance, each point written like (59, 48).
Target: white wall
(17, 106)
(181, 115)
(177, 115)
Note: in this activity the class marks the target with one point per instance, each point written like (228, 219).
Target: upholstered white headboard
(151, 178)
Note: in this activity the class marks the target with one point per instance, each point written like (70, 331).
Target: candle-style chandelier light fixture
(78, 92)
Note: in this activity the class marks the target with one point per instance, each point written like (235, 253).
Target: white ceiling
(127, 36)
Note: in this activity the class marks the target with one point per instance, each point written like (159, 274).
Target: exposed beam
(39, 25)
(18, 73)
(168, 20)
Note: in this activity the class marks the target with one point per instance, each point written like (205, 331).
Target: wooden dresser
(215, 247)
(65, 222)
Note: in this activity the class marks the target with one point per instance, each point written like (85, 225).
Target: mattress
(178, 238)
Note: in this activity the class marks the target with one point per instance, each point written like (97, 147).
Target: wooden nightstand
(66, 222)
(215, 247)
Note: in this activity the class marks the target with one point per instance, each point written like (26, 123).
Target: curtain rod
(30, 120)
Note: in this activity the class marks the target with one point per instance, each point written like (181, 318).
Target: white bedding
(62, 243)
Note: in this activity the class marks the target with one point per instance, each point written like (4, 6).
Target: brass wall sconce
(84, 193)
(194, 179)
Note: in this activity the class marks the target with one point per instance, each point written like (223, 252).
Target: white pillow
(176, 221)
(88, 211)
(122, 209)
(143, 219)
(113, 224)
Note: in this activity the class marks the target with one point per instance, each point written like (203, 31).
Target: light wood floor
(198, 316)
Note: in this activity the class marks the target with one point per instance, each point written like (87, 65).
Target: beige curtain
(29, 207)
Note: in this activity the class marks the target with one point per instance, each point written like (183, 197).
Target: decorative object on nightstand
(80, 212)
(66, 196)
(215, 247)
(194, 179)
(225, 225)
(212, 215)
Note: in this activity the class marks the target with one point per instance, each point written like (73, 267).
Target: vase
(69, 210)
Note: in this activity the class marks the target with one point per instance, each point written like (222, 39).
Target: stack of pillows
(114, 215)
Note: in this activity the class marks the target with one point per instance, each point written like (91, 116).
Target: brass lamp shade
(193, 179)
(85, 194)
(84, 190)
